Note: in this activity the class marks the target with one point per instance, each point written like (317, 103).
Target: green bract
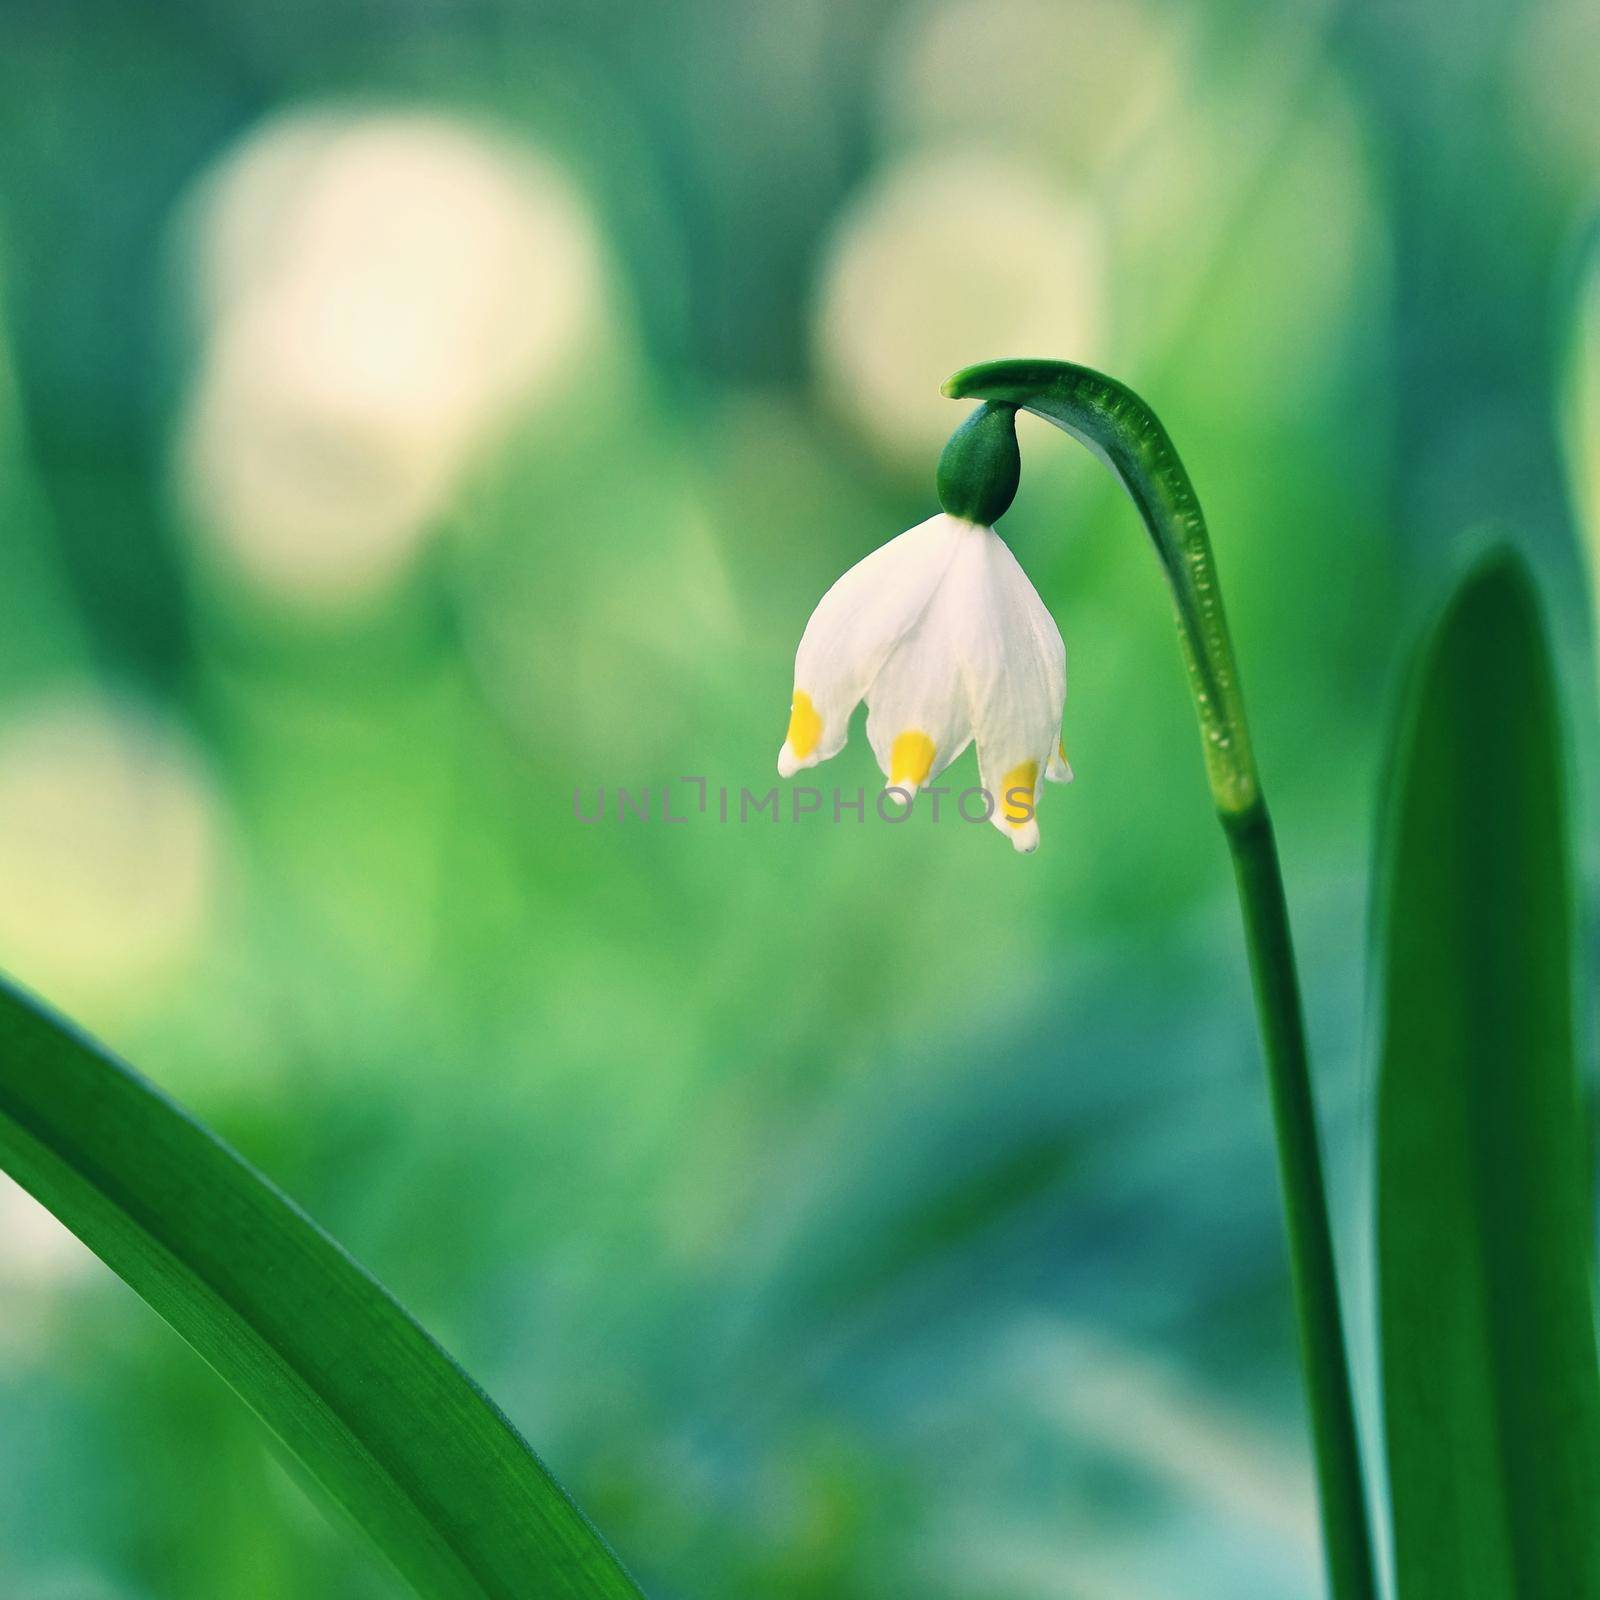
(981, 466)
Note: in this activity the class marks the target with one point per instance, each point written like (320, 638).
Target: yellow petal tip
(1017, 794)
(910, 760)
(805, 726)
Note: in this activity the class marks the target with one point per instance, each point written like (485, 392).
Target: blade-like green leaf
(1491, 1395)
(390, 1426)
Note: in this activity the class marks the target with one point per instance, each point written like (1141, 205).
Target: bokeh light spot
(946, 260)
(110, 848)
(1078, 83)
(380, 293)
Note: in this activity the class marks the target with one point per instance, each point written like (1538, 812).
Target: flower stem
(1120, 429)
(1316, 1287)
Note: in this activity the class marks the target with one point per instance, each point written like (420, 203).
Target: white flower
(945, 638)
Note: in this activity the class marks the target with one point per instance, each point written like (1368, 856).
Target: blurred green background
(414, 411)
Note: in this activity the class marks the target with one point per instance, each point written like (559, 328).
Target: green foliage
(382, 1417)
(1492, 1404)
(816, 1195)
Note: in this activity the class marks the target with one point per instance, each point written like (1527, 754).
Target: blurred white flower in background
(35, 1249)
(1227, 213)
(378, 293)
(946, 260)
(1080, 83)
(40, 1261)
(110, 850)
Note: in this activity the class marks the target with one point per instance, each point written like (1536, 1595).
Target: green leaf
(386, 1422)
(1491, 1395)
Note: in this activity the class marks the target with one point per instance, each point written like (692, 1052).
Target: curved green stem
(1119, 428)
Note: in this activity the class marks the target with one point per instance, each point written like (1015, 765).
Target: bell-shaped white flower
(947, 641)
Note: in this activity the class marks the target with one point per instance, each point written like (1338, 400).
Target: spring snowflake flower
(947, 641)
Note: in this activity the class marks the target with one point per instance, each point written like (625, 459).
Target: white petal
(856, 626)
(918, 715)
(1015, 667)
